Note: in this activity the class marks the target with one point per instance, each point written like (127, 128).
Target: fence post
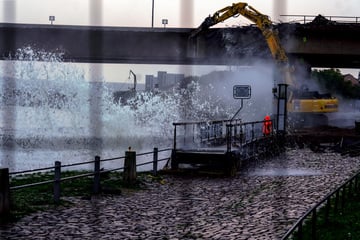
(155, 161)
(4, 192)
(96, 186)
(300, 231)
(130, 167)
(57, 177)
(336, 202)
(327, 210)
(313, 224)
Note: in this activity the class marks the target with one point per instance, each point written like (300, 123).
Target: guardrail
(231, 133)
(309, 18)
(129, 168)
(337, 197)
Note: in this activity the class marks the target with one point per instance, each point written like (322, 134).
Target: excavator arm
(263, 22)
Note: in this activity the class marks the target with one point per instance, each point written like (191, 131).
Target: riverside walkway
(262, 202)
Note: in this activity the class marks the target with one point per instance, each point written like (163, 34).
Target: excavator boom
(264, 23)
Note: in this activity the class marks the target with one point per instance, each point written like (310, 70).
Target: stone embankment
(261, 202)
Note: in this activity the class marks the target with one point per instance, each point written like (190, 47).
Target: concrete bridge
(319, 45)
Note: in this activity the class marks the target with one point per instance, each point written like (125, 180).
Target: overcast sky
(137, 13)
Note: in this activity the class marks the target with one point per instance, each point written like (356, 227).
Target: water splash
(51, 101)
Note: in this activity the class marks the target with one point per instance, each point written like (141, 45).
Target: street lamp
(51, 19)
(152, 14)
(164, 22)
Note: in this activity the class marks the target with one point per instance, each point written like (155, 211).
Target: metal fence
(58, 168)
(227, 133)
(334, 201)
(309, 18)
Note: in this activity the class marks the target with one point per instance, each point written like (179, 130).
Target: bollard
(4, 192)
(57, 177)
(357, 127)
(155, 161)
(96, 187)
(130, 167)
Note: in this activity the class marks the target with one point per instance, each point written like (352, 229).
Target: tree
(333, 81)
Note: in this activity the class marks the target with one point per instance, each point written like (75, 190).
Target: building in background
(163, 81)
(350, 78)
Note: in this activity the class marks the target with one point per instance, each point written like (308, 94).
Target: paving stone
(248, 206)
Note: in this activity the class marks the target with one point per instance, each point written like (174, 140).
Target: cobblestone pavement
(262, 202)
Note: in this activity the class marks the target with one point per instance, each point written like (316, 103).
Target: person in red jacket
(267, 126)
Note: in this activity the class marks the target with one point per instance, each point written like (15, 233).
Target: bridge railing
(309, 18)
(219, 133)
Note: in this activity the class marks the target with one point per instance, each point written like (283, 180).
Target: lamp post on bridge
(164, 22)
(52, 19)
(152, 14)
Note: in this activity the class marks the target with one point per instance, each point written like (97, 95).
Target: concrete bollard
(130, 167)
(4, 192)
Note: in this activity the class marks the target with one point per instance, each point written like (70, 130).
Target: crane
(134, 76)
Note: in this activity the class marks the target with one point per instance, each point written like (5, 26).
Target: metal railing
(57, 168)
(336, 200)
(309, 18)
(227, 133)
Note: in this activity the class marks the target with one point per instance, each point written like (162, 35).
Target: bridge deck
(319, 45)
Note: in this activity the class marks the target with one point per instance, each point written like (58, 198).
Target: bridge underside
(336, 45)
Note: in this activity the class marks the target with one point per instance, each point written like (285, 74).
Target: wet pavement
(261, 202)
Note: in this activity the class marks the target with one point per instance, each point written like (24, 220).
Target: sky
(179, 13)
(138, 13)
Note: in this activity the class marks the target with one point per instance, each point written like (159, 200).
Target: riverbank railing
(128, 166)
(220, 133)
(335, 201)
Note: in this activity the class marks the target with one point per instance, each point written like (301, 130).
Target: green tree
(333, 81)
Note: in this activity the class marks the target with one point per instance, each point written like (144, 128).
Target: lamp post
(281, 109)
(152, 14)
(164, 22)
(51, 19)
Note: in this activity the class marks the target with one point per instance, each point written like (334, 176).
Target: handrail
(83, 163)
(198, 134)
(300, 221)
(85, 174)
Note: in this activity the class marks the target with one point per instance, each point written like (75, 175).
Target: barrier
(336, 199)
(129, 172)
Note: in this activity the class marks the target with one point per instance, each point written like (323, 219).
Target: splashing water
(52, 103)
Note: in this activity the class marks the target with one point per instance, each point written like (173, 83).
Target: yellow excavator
(305, 106)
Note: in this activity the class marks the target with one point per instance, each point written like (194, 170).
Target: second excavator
(304, 107)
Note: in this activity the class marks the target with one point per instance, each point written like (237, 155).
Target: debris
(321, 20)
